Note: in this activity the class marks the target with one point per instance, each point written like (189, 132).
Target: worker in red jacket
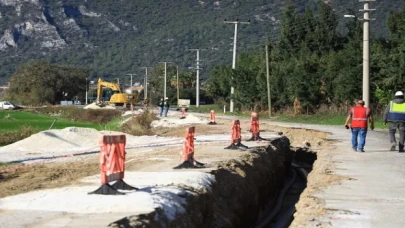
(360, 117)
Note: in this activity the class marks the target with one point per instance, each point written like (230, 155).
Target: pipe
(275, 211)
(286, 218)
(301, 166)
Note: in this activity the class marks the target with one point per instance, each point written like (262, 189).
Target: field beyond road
(13, 120)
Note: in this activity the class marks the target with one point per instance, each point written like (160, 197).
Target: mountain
(113, 38)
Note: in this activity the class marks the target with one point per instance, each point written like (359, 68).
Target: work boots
(401, 148)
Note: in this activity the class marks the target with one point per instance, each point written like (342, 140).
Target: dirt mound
(175, 122)
(95, 106)
(68, 141)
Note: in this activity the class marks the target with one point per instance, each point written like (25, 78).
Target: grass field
(14, 120)
(322, 119)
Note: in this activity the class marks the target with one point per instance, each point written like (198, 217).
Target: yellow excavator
(114, 95)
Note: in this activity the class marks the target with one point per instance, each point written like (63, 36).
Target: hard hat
(399, 93)
(166, 98)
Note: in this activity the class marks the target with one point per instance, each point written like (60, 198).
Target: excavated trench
(258, 189)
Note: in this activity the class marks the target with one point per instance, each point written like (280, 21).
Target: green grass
(4, 165)
(321, 119)
(324, 119)
(205, 108)
(13, 120)
(218, 110)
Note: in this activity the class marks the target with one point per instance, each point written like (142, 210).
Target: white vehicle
(7, 105)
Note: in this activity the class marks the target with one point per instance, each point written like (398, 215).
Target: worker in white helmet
(395, 115)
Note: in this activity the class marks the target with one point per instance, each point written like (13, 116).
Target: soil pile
(70, 140)
(95, 106)
(175, 122)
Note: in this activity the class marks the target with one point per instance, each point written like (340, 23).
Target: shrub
(23, 132)
(139, 124)
(95, 116)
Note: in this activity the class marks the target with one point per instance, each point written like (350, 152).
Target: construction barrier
(188, 151)
(183, 113)
(236, 137)
(212, 118)
(254, 127)
(112, 165)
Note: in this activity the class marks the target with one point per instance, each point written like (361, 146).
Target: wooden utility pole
(268, 78)
(178, 91)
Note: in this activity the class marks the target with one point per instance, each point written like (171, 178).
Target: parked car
(7, 105)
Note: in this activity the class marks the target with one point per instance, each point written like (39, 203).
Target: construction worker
(395, 115)
(160, 105)
(166, 106)
(359, 115)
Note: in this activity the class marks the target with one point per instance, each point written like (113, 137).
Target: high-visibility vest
(359, 117)
(397, 112)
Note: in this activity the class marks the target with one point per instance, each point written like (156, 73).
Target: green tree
(40, 82)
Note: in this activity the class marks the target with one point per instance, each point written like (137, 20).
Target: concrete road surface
(375, 195)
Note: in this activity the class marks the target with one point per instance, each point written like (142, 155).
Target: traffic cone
(236, 138)
(212, 118)
(254, 128)
(183, 113)
(188, 152)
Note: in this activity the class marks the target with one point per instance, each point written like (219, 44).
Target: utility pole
(234, 52)
(178, 91)
(268, 78)
(197, 97)
(366, 51)
(146, 82)
(131, 79)
(165, 79)
(87, 86)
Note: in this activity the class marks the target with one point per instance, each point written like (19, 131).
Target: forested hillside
(112, 38)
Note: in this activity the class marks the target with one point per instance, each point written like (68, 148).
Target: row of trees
(315, 64)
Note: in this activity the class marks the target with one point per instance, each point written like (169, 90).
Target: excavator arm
(113, 86)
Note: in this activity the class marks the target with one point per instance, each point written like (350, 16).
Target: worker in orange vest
(360, 116)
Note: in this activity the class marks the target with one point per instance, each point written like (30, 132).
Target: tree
(40, 82)
(219, 83)
(156, 82)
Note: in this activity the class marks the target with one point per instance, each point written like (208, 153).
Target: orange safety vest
(359, 117)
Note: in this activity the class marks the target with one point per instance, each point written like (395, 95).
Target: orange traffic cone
(188, 152)
(212, 118)
(236, 137)
(183, 113)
